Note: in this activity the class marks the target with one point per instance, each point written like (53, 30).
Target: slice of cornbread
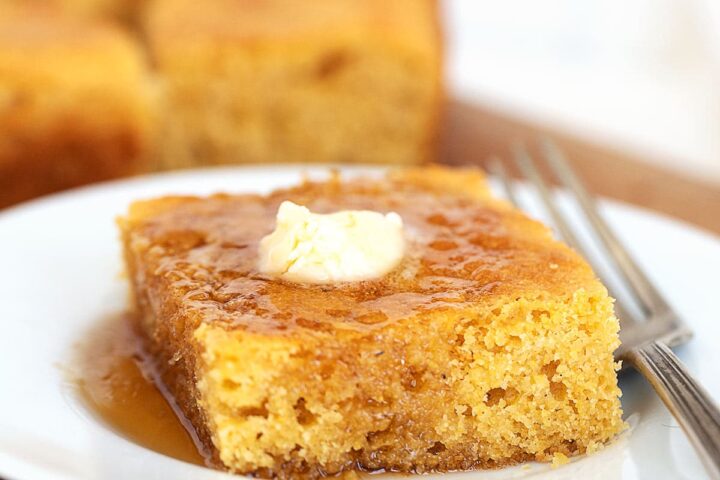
(75, 105)
(279, 81)
(489, 345)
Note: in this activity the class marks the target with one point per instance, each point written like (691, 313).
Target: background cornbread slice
(279, 81)
(75, 104)
(490, 344)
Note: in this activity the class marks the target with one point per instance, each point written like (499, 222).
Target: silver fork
(647, 331)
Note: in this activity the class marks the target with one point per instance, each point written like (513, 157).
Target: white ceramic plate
(59, 265)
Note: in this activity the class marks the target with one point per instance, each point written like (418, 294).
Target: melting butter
(344, 246)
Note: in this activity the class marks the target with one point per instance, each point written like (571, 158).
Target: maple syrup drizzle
(116, 383)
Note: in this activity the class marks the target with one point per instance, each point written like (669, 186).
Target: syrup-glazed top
(464, 248)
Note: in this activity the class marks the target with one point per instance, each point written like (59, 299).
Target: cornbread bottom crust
(490, 345)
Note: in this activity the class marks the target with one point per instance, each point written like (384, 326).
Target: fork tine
(651, 300)
(497, 168)
(528, 168)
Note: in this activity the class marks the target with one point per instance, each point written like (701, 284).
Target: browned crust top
(464, 249)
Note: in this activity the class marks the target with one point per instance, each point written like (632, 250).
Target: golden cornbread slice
(490, 344)
(280, 81)
(75, 103)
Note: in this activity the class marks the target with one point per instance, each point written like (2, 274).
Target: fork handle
(689, 403)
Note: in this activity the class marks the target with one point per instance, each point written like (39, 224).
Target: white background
(643, 75)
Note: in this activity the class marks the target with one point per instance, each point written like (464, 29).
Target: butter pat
(345, 246)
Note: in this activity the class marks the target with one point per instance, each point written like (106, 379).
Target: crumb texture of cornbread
(275, 81)
(490, 344)
(75, 103)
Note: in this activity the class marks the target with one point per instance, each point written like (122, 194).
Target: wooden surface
(472, 134)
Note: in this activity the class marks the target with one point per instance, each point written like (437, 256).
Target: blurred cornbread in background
(290, 81)
(232, 81)
(76, 105)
